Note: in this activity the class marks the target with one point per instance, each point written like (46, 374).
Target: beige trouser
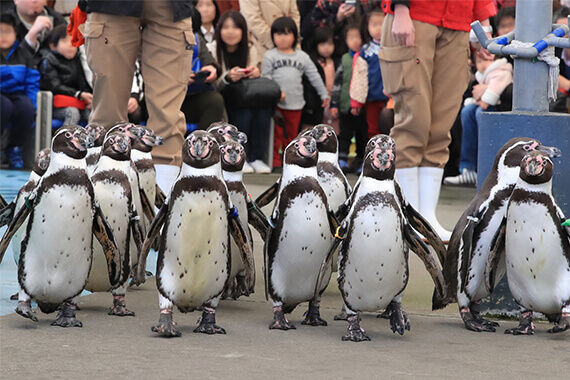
(427, 82)
(113, 44)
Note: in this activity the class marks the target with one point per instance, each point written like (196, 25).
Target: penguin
(302, 230)
(223, 131)
(471, 239)
(57, 248)
(536, 248)
(375, 239)
(232, 160)
(97, 131)
(113, 192)
(194, 261)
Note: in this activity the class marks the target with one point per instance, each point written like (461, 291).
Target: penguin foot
(207, 323)
(398, 318)
(525, 327)
(354, 332)
(313, 316)
(387, 313)
(279, 321)
(562, 325)
(66, 317)
(14, 297)
(119, 308)
(25, 310)
(476, 314)
(166, 326)
(475, 322)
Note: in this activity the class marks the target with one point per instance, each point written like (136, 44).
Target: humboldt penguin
(223, 131)
(97, 131)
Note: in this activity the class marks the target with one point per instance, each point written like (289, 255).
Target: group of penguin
(103, 184)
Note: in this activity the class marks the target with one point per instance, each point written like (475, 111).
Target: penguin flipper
(266, 262)
(495, 254)
(138, 235)
(465, 249)
(7, 213)
(333, 222)
(160, 197)
(139, 277)
(257, 219)
(268, 195)
(15, 224)
(3, 202)
(417, 245)
(104, 234)
(339, 236)
(241, 239)
(147, 207)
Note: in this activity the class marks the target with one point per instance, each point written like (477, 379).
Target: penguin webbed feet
(279, 320)
(66, 316)
(25, 310)
(474, 322)
(207, 323)
(563, 324)
(14, 297)
(166, 326)
(119, 308)
(313, 316)
(398, 318)
(525, 327)
(354, 332)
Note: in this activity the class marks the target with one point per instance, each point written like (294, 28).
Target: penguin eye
(329, 133)
(527, 147)
(221, 132)
(296, 145)
(68, 135)
(111, 140)
(210, 143)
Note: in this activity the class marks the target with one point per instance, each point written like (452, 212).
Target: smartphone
(350, 3)
(245, 71)
(200, 76)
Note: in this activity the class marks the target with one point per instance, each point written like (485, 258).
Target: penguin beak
(84, 140)
(158, 140)
(199, 148)
(122, 146)
(232, 156)
(382, 159)
(311, 146)
(534, 166)
(238, 136)
(551, 151)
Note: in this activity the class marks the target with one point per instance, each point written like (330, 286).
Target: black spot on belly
(181, 275)
(183, 290)
(209, 213)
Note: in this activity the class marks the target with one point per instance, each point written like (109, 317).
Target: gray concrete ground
(437, 347)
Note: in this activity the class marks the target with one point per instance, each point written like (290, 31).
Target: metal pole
(533, 22)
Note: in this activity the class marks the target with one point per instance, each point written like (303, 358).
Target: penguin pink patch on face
(382, 159)
(200, 147)
(303, 150)
(534, 165)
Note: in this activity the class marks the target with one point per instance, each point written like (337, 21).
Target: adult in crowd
(209, 16)
(260, 15)
(160, 32)
(239, 63)
(425, 47)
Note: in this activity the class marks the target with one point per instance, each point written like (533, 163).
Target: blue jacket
(369, 53)
(17, 74)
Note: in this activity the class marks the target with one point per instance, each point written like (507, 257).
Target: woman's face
(230, 33)
(207, 11)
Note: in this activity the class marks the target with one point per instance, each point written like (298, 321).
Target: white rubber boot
(166, 176)
(408, 180)
(429, 181)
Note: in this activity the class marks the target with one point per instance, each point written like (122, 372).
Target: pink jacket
(497, 77)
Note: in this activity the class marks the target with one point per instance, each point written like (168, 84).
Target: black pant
(255, 123)
(350, 126)
(17, 115)
(203, 108)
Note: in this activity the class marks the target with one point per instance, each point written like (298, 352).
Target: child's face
(326, 49)
(375, 25)
(353, 39)
(506, 25)
(207, 10)
(7, 36)
(230, 33)
(283, 41)
(65, 48)
(482, 64)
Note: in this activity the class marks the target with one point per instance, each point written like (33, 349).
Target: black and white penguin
(194, 261)
(470, 243)
(223, 131)
(302, 231)
(113, 192)
(142, 158)
(56, 251)
(97, 131)
(536, 248)
(373, 260)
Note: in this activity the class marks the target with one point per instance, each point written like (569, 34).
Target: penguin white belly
(375, 268)
(537, 270)
(148, 184)
(195, 260)
(334, 189)
(57, 258)
(305, 239)
(115, 207)
(238, 201)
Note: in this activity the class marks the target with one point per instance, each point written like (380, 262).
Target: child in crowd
(239, 62)
(350, 125)
(366, 88)
(19, 85)
(286, 66)
(63, 74)
(505, 21)
(493, 78)
(322, 50)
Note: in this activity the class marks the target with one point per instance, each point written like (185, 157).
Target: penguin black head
(380, 141)
(133, 131)
(147, 141)
(302, 152)
(117, 145)
(233, 156)
(42, 162)
(72, 140)
(516, 148)
(97, 131)
(379, 164)
(324, 134)
(223, 131)
(200, 150)
(536, 168)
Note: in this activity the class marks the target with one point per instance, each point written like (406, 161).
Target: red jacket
(450, 14)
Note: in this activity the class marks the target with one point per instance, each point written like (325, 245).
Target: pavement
(437, 347)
